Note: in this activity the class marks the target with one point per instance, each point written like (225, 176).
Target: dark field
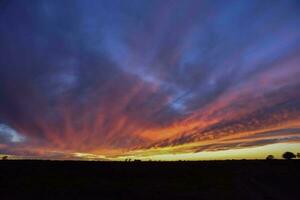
(277, 179)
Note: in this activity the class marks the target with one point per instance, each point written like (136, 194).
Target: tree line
(287, 156)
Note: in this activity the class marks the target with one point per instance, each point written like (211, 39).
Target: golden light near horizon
(233, 154)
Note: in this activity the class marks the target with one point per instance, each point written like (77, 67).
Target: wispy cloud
(114, 77)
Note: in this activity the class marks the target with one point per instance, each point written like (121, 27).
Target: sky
(162, 80)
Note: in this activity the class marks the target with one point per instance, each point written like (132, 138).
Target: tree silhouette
(298, 155)
(270, 157)
(288, 155)
(4, 157)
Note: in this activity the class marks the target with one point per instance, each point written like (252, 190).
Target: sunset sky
(149, 79)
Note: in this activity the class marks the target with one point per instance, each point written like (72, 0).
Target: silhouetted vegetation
(270, 157)
(298, 155)
(4, 157)
(288, 155)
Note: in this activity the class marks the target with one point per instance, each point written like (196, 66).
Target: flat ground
(276, 179)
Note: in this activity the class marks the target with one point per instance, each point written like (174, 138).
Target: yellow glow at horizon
(244, 153)
(260, 152)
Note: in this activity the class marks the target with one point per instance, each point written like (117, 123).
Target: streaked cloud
(106, 79)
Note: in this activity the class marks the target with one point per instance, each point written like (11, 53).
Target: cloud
(7, 134)
(115, 76)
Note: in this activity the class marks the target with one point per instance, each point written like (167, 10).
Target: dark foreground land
(277, 179)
